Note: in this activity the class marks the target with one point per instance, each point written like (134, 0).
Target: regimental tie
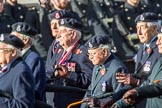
(3, 69)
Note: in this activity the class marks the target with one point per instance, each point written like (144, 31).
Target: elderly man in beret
(17, 82)
(152, 91)
(54, 18)
(147, 55)
(104, 71)
(147, 30)
(26, 33)
(71, 64)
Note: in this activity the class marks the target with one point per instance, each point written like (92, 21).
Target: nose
(139, 31)
(90, 56)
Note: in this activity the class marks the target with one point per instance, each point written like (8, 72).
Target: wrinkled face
(159, 43)
(54, 27)
(64, 36)
(97, 55)
(62, 4)
(1, 6)
(144, 32)
(6, 54)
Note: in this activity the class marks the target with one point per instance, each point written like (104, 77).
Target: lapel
(99, 76)
(146, 56)
(157, 68)
(72, 53)
(139, 56)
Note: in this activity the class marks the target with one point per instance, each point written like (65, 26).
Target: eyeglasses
(5, 49)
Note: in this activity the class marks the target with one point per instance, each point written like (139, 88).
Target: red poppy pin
(103, 71)
(78, 51)
(149, 50)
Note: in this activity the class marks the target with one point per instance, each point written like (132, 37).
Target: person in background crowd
(124, 29)
(17, 81)
(72, 66)
(15, 10)
(5, 20)
(38, 18)
(104, 71)
(26, 33)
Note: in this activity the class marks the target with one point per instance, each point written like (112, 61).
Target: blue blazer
(37, 67)
(19, 83)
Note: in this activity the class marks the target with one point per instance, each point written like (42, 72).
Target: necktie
(3, 69)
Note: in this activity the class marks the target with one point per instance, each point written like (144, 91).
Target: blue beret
(97, 40)
(146, 17)
(24, 28)
(12, 40)
(59, 14)
(70, 23)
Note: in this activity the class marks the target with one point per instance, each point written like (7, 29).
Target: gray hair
(31, 39)
(152, 24)
(101, 46)
(17, 49)
(79, 34)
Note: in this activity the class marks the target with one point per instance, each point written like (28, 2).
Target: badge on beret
(62, 21)
(18, 28)
(57, 15)
(90, 45)
(2, 37)
(142, 18)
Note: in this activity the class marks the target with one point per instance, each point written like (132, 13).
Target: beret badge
(18, 28)
(142, 18)
(2, 37)
(57, 15)
(62, 21)
(90, 45)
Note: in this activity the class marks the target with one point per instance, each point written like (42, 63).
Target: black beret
(12, 40)
(24, 28)
(60, 14)
(147, 17)
(97, 40)
(70, 23)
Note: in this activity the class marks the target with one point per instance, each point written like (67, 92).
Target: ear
(105, 52)
(73, 34)
(13, 52)
(26, 40)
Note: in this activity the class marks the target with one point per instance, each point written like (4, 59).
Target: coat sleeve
(150, 91)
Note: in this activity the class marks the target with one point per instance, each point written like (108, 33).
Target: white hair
(79, 34)
(153, 24)
(17, 49)
(101, 46)
(31, 39)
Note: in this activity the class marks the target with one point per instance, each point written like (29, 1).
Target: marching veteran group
(89, 66)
